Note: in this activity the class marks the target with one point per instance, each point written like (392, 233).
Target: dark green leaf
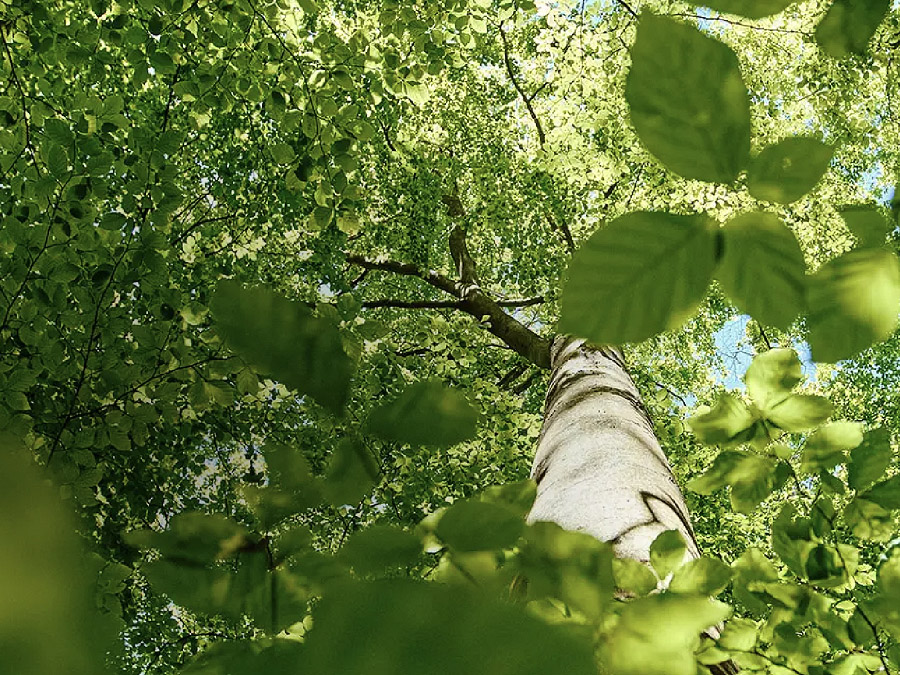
(633, 577)
(868, 225)
(638, 276)
(886, 493)
(284, 339)
(853, 303)
(194, 538)
(868, 520)
(472, 525)
(762, 269)
(352, 472)
(425, 413)
(432, 628)
(379, 548)
(688, 102)
(752, 9)
(869, 460)
(667, 552)
(787, 170)
(849, 25)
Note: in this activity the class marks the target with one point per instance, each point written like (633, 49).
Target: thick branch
(428, 276)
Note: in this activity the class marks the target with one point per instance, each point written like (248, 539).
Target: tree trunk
(598, 465)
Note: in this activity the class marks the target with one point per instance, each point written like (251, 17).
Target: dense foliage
(277, 283)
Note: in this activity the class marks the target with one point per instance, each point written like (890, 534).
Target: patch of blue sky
(736, 353)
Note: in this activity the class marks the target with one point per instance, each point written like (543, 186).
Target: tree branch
(445, 304)
(525, 98)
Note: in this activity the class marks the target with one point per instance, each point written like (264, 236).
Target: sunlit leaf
(667, 552)
(688, 102)
(827, 446)
(799, 412)
(657, 635)
(633, 577)
(730, 421)
(787, 170)
(771, 375)
(762, 269)
(703, 576)
(853, 303)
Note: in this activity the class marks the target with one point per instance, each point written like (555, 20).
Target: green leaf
(667, 552)
(771, 375)
(703, 576)
(193, 538)
(688, 102)
(868, 520)
(886, 493)
(853, 303)
(657, 635)
(848, 25)
(472, 525)
(518, 496)
(787, 170)
(799, 412)
(729, 422)
(868, 225)
(379, 548)
(827, 446)
(434, 628)
(751, 477)
(762, 269)
(869, 460)
(791, 536)
(752, 9)
(633, 577)
(351, 474)
(425, 413)
(638, 276)
(284, 339)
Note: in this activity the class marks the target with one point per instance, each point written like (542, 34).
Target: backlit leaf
(639, 275)
(704, 576)
(868, 225)
(853, 303)
(752, 9)
(827, 446)
(869, 460)
(787, 170)
(688, 102)
(799, 412)
(771, 375)
(730, 421)
(472, 525)
(762, 269)
(667, 552)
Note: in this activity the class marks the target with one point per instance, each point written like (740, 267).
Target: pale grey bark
(598, 466)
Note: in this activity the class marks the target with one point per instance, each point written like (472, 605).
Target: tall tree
(283, 282)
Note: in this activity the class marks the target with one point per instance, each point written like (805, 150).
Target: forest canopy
(285, 285)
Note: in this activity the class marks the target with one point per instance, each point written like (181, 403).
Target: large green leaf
(853, 303)
(751, 477)
(799, 412)
(667, 552)
(285, 340)
(787, 170)
(752, 9)
(352, 472)
(425, 413)
(827, 445)
(729, 421)
(849, 25)
(473, 525)
(704, 576)
(867, 223)
(688, 102)
(657, 635)
(762, 269)
(379, 548)
(431, 629)
(638, 276)
(771, 375)
(869, 460)
(194, 538)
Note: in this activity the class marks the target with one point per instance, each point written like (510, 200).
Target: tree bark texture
(599, 467)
